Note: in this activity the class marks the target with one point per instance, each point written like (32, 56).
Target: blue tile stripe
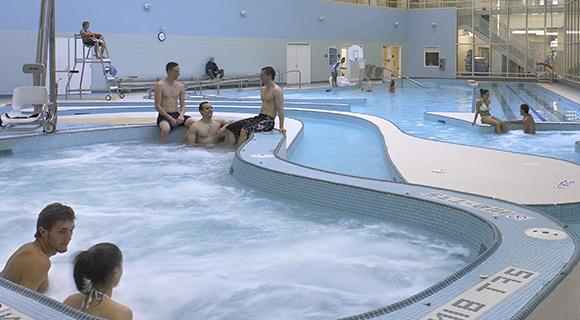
(313, 186)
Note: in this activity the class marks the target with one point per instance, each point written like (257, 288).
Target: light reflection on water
(198, 245)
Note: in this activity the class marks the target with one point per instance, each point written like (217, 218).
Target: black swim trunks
(89, 42)
(175, 115)
(259, 123)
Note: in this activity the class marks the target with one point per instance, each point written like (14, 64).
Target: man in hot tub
(29, 265)
(208, 131)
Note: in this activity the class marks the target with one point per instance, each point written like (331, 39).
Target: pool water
(198, 245)
(406, 109)
(325, 139)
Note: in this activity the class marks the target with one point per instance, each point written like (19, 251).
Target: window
(332, 56)
(431, 56)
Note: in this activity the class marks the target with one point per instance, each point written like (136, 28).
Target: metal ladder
(111, 81)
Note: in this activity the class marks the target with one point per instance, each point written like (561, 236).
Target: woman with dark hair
(392, 88)
(96, 272)
(482, 107)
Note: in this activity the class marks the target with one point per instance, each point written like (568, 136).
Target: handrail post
(475, 85)
(40, 41)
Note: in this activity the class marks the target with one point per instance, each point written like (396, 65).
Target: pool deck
(519, 178)
(566, 91)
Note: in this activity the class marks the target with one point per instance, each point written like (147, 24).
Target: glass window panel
(465, 59)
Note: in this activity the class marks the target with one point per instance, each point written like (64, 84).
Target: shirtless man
(29, 265)
(207, 131)
(528, 123)
(167, 91)
(272, 104)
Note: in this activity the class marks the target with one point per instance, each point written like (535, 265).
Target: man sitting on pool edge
(208, 131)
(29, 265)
(272, 104)
(167, 92)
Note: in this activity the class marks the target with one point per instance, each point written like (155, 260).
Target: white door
(392, 61)
(298, 58)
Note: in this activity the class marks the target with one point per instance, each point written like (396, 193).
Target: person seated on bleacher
(95, 40)
(212, 69)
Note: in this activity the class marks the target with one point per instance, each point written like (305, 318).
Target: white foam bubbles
(198, 245)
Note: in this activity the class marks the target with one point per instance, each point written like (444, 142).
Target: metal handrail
(475, 85)
(282, 74)
(361, 75)
(404, 77)
(238, 80)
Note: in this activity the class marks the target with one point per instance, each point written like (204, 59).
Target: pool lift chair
(44, 114)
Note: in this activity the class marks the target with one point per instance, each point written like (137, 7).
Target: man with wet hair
(528, 123)
(272, 104)
(208, 131)
(29, 265)
(167, 92)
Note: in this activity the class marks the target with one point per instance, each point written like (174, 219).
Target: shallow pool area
(197, 244)
(342, 147)
(407, 106)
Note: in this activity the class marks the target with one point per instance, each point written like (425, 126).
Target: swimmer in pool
(528, 123)
(392, 88)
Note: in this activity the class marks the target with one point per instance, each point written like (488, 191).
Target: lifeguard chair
(43, 115)
(82, 56)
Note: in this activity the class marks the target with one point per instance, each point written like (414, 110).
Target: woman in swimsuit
(482, 108)
(96, 272)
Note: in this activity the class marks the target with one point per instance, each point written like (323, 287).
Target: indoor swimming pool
(406, 109)
(199, 245)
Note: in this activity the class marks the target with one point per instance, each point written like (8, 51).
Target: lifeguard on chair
(37, 97)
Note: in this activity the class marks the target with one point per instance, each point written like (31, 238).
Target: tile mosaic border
(246, 170)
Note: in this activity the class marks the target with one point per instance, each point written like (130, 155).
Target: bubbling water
(198, 245)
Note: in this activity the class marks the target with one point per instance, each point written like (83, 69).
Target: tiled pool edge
(249, 171)
(52, 307)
